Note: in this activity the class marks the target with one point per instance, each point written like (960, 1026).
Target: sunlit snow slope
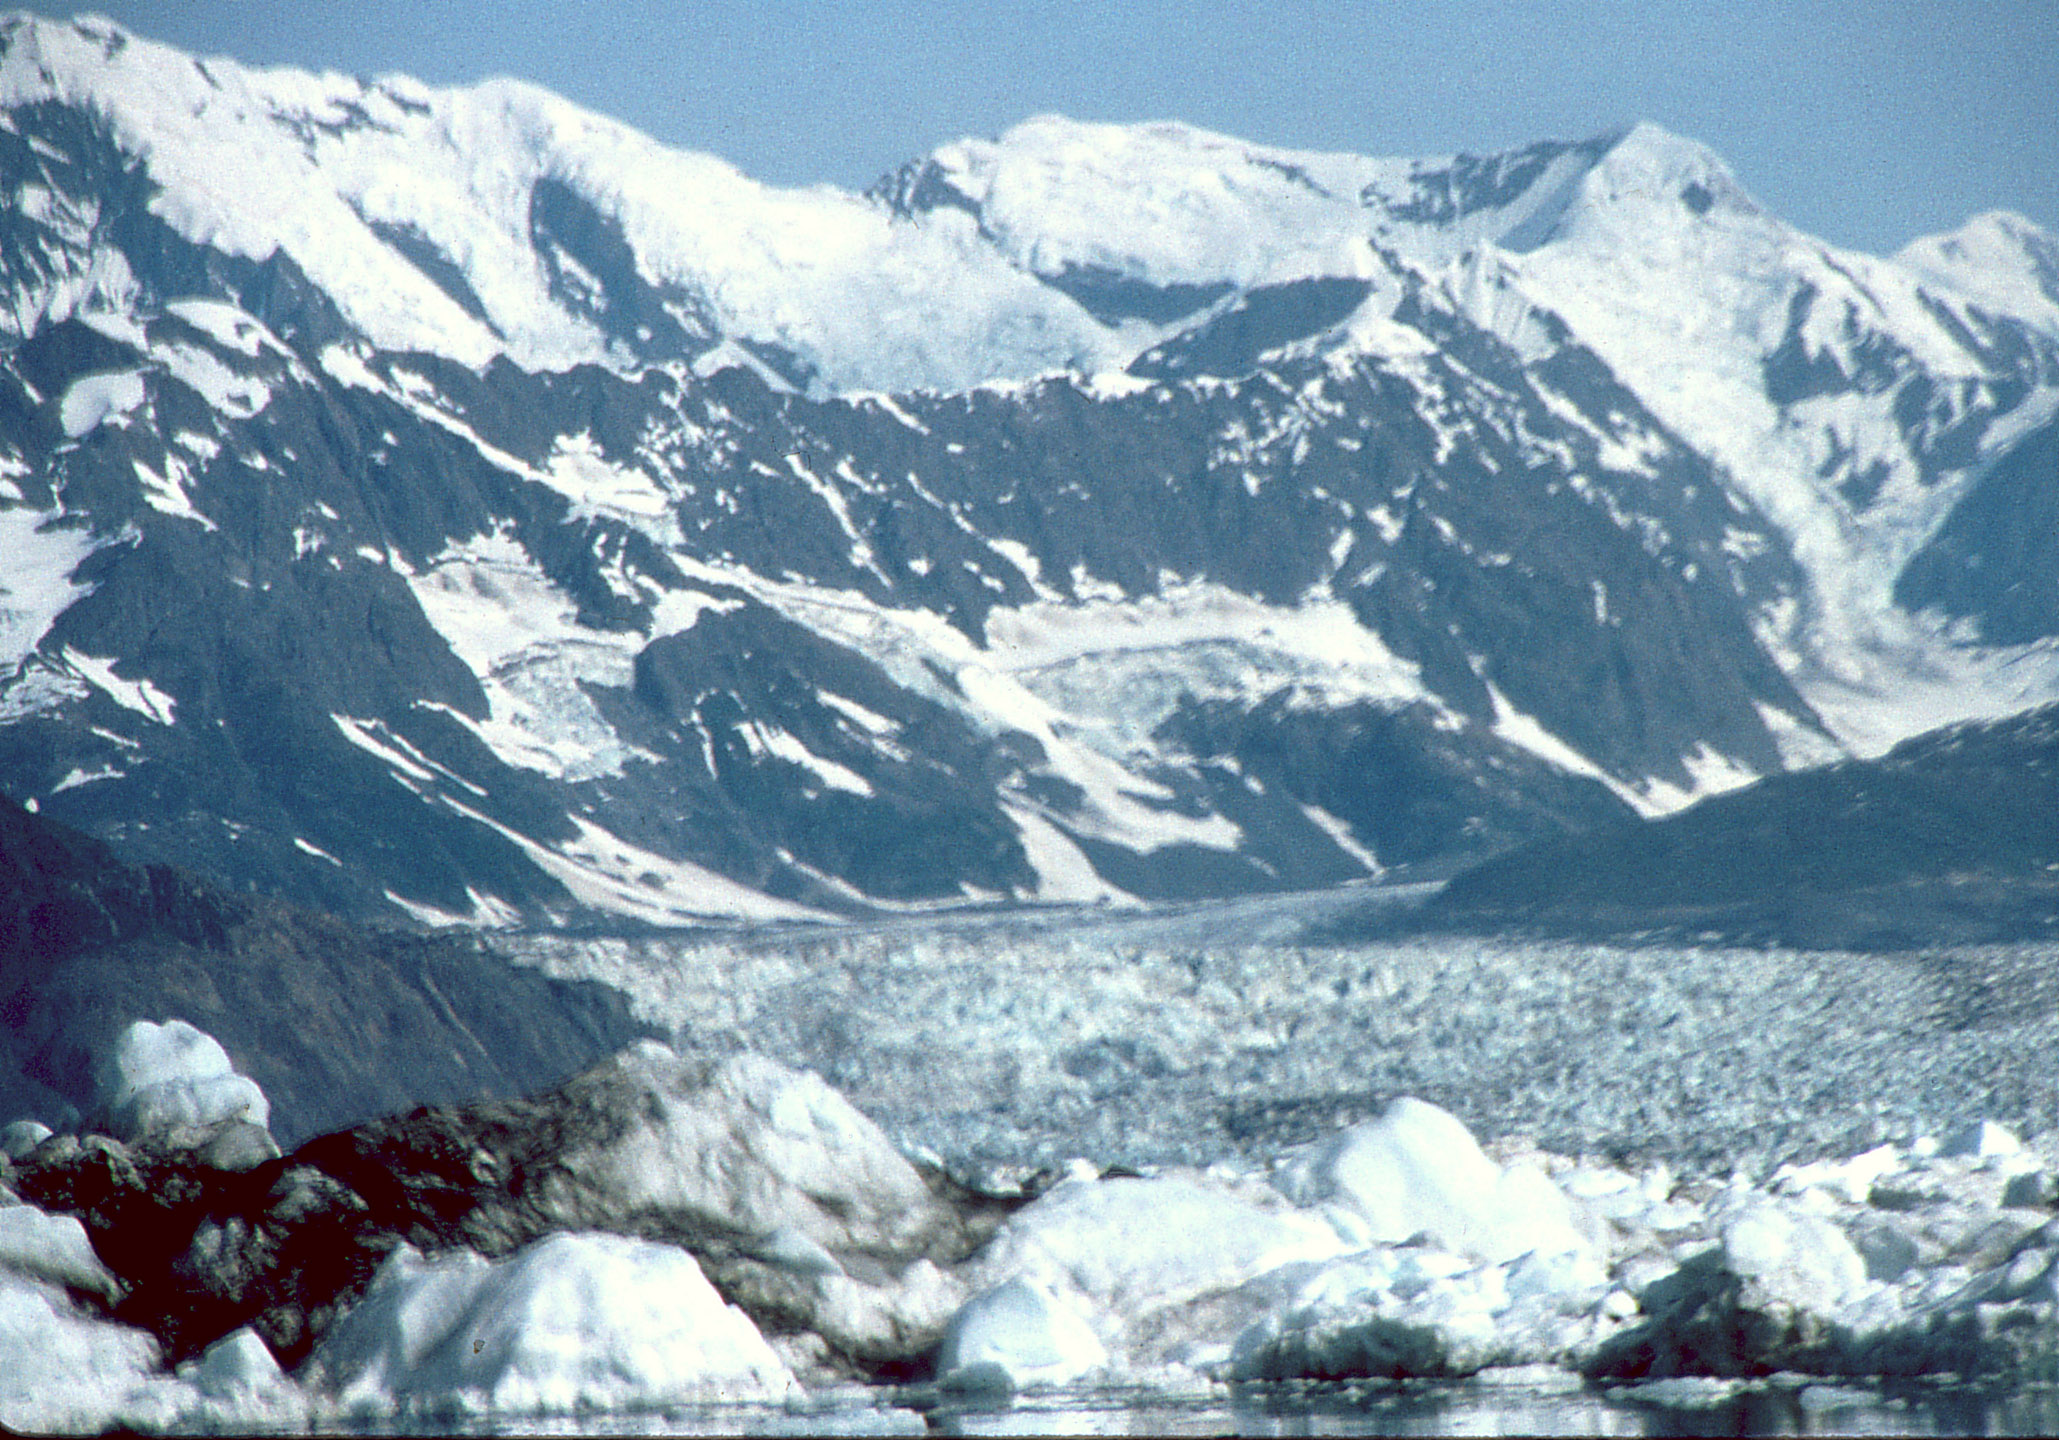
(452, 504)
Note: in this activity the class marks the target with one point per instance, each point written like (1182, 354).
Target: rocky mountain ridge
(1948, 839)
(450, 504)
(337, 1023)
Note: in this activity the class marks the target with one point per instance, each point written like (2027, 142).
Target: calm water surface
(1794, 1409)
(1784, 1406)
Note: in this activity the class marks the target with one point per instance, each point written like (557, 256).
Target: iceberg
(1016, 1336)
(63, 1369)
(673, 1230)
(1417, 1169)
(574, 1322)
(159, 1080)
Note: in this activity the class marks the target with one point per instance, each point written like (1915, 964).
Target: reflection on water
(1785, 1405)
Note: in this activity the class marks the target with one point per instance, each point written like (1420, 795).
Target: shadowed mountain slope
(336, 1023)
(1952, 837)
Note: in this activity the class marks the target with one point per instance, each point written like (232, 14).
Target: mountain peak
(1160, 202)
(40, 28)
(1647, 161)
(2003, 260)
(1989, 235)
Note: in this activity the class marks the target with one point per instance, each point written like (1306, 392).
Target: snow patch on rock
(105, 398)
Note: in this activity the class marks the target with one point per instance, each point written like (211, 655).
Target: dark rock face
(334, 1023)
(62, 893)
(1950, 837)
(1471, 183)
(1112, 297)
(592, 270)
(1480, 570)
(911, 821)
(201, 1251)
(1265, 319)
(1995, 560)
(1398, 780)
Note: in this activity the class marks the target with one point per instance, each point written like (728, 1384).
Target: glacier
(563, 1269)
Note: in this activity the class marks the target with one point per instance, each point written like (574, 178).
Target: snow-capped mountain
(451, 502)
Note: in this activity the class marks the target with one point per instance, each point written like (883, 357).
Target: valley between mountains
(1126, 759)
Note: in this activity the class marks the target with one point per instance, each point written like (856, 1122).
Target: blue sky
(1863, 121)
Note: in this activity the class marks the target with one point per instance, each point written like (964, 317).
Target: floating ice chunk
(796, 1251)
(2033, 1189)
(159, 1078)
(1415, 1310)
(1415, 1169)
(1371, 1345)
(1802, 1260)
(1016, 1336)
(841, 1231)
(151, 1054)
(237, 1364)
(1132, 1245)
(1887, 1248)
(764, 1149)
(53, 1248)
(61, 1370)
(19, 1137)
(1567, 1278)
(1605, 1193)
(237, 1145)
(1848, 1180)
(1981, 1140)
(1382, 1314)
(1530, 1214)
(573, 1322)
